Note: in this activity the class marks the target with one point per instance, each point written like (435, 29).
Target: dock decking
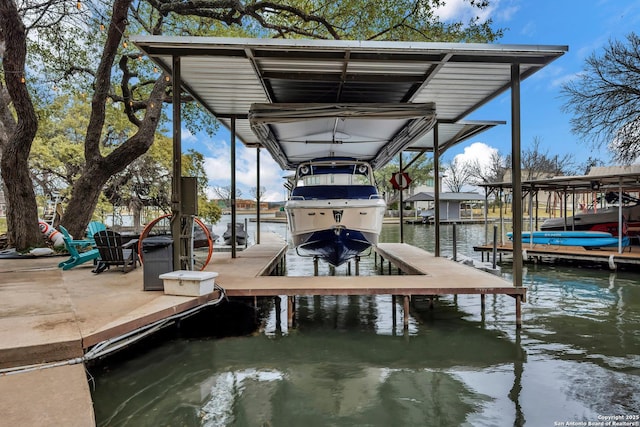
(536, 253)
(424, 274)
(50, 318)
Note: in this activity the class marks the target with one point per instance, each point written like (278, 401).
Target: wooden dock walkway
(537, 253)
(423, 274)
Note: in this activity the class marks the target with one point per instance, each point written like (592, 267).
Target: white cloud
(187, 136)
(477, 152)
(218, 167)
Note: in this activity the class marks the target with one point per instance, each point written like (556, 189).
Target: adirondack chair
(80, 251)
(114, 252)
(93, 228)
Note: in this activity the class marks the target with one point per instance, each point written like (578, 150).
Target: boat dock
(421, 274)
(539, 253)
(52, 319)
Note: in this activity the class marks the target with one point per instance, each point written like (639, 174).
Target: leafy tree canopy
(83, 49)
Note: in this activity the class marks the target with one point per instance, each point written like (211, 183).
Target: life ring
(51, 233)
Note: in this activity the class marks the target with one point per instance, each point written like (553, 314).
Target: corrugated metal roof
(629, 180)
(228, 75)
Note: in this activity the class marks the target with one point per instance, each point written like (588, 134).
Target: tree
(208, 210)
(224, 193)
(257, 194)
(585, 167)
(22, 210)
(492, 172)
(66, 43)
(420, 172)
(605, 99)
(457, 175)
(537, 163)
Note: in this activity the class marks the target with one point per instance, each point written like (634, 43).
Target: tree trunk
(99, 169)
(22, 210)
(84, 198)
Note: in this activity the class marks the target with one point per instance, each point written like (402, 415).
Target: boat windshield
(335, 173)
(335, 179)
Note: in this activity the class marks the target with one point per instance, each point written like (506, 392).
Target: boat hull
(335, 230)
(586, 239)
(605, 220)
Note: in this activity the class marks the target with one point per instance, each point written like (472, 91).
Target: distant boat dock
(540, 253)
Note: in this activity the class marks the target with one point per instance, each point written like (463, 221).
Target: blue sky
(585, 26)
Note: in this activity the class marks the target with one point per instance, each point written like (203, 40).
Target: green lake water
(349, 362)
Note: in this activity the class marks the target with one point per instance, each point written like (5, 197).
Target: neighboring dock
(539, 253)
(50, 319)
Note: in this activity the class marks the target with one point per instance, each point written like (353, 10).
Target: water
(348, 363)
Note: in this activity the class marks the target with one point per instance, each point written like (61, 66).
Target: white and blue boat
(335, 211)
(586, 239)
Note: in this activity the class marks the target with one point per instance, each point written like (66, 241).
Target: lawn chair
(80, 251)
(114, 252)
(93, 228)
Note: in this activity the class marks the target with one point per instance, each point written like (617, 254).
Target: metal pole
(258, 195)
(401, 202)
(486, 214)
(516, 175)
(495, 244)
(573, 208)
(500, 205)
(176, 206)
(620, 224)
(436, 189)
(564, 200)
(455, 246)
(233, 187)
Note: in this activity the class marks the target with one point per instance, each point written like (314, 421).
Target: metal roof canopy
(228, 75)
(628, 180)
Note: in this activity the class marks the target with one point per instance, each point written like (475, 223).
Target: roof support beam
(176, 196)
(436, 188)
(233, 187)
(516, 174)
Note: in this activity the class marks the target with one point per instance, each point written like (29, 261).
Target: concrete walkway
(52, 316)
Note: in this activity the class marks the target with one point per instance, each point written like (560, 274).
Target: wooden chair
(114, 252)
(80, 251)
(93, 228)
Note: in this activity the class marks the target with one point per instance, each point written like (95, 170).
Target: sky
(585, 26)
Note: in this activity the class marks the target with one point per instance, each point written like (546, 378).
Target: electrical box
(189, 195)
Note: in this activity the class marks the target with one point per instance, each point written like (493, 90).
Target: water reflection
(349, 361)
(315, 380)
(321, 395)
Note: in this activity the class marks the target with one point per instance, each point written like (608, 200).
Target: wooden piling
(291, 307)
(406, 311)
